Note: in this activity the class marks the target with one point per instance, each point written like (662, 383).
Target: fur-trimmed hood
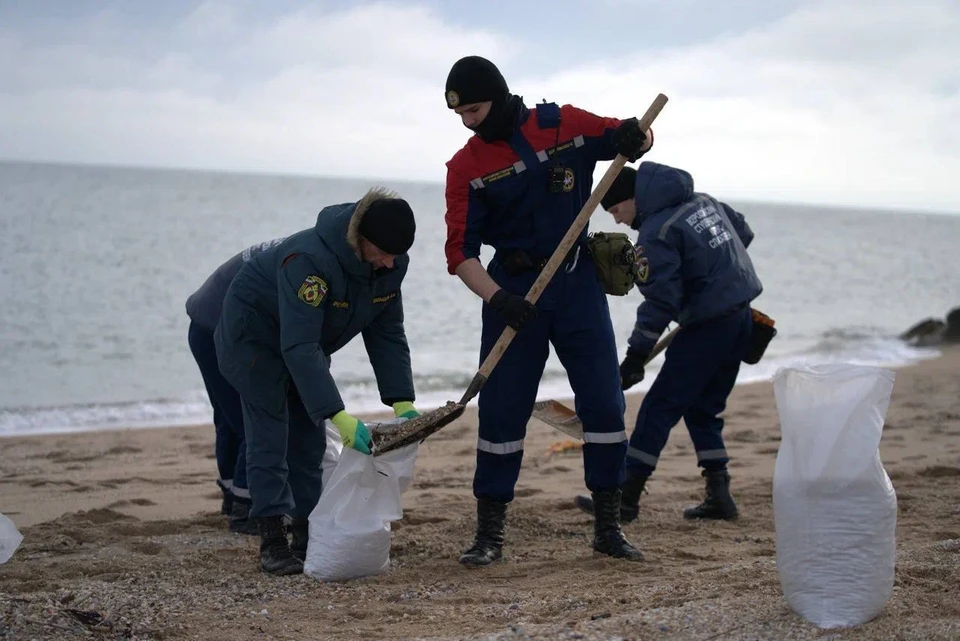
(339, 228)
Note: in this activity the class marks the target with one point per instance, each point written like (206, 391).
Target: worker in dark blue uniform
(203, 308)
(693, 269)
(517, 185)
(286, 312)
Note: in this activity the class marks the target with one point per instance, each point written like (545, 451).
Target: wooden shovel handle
(661, 345)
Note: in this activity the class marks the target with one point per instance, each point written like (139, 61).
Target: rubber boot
(240, 521)
(275, 555)
(608, 539)
(718, 503)
(300, 531)
(631, 490)
(488, 545)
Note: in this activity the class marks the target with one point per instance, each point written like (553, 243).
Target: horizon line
(357, 178)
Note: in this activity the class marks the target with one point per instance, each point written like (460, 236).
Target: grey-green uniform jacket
(296, 303)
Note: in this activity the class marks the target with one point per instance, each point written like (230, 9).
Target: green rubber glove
(353, 432)
(405, 409)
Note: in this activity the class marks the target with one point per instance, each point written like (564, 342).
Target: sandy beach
(125, 527)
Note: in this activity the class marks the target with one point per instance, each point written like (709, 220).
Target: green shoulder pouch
(615, 258)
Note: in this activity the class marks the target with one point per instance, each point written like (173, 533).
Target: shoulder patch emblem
(568, 179)
(643, 265)
(313, 290)
(453, 98)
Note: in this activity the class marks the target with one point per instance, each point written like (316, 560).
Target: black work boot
(275, 555)
(300, 529)
(488, 545)
(631, 490)
(240, 521)
(607, 537)
(226, 505)
(718, 503)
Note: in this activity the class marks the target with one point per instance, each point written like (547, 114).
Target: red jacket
(497, 193)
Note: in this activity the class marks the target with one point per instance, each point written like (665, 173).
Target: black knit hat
(388, 223)
(623, 188)
(474, 79)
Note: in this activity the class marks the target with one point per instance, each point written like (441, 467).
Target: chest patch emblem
(313, 290)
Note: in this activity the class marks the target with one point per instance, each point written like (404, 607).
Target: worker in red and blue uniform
(693, 269)
(517, 186)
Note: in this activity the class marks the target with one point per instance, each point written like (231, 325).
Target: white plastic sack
(10, 539)
(835, 510)
(350, 527)
(332, 454)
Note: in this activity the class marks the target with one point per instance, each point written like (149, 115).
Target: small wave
(860, 346)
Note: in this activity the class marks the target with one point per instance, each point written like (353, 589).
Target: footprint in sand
(45, 482)
(201, 449)
(939, 471)
(555, 469)
(99, 516)
(744, 436)
(527, 491)
(414, 519)
(147, 529)
(145, 547)
(129, 502)
(122, 449)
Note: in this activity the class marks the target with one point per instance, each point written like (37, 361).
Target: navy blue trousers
(697, 376)
(284, 457)
(575, 319)
(230, 446)
(284, 446)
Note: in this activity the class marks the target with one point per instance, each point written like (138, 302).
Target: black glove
(631, 369)
(628, 139)
(515, 310)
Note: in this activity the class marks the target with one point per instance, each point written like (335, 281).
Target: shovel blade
(559, 416)
(393, 437)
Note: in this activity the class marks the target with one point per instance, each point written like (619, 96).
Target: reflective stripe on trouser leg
(703, 419)
(308, 442)
(267, 470)
(582, 336)
(506, 403)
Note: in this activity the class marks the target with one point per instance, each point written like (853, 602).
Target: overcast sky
(851, 102)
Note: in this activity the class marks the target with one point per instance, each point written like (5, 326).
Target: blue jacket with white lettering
(293, 305)
(204, 305)
(693, 260)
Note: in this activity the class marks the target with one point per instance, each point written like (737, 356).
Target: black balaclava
(474, 79)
